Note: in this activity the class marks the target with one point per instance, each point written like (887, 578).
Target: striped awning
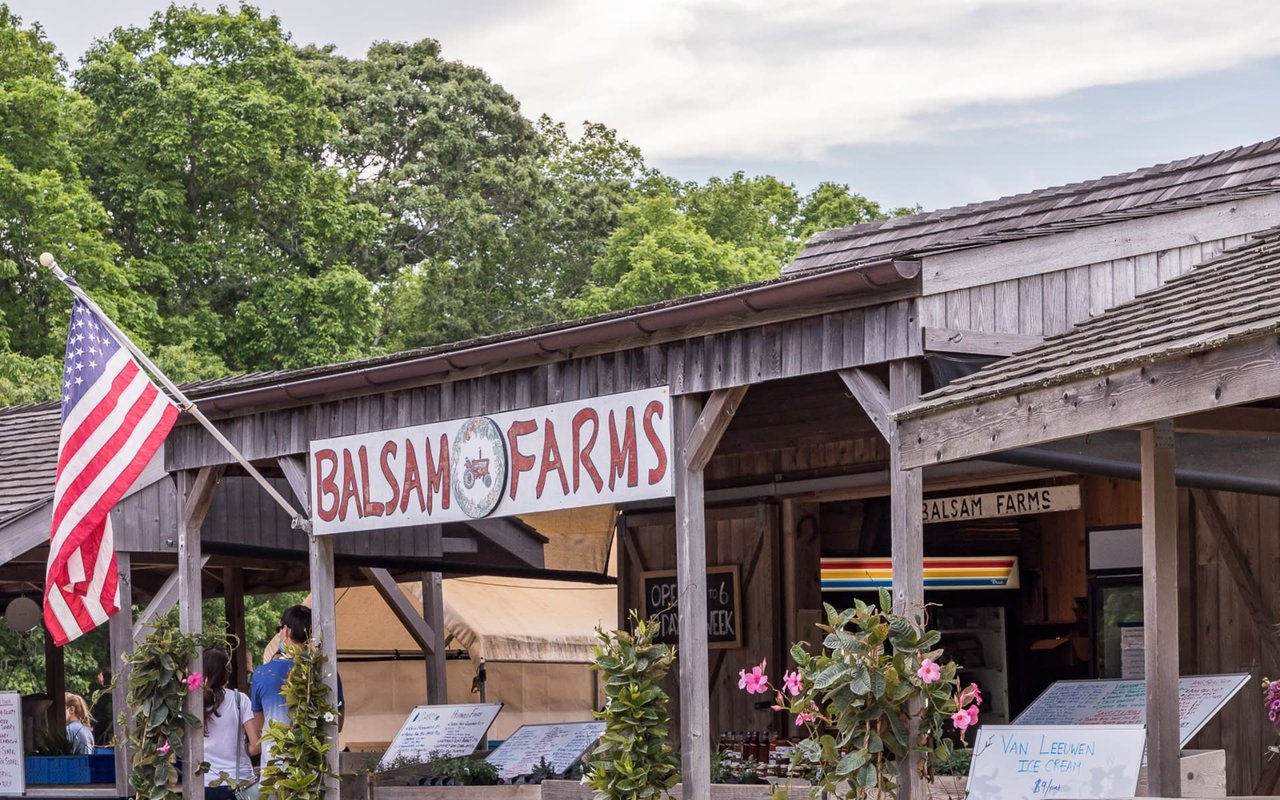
(949, 572)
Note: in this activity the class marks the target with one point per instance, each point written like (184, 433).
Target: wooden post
(433, 613)
(1160, 608)
(55, 684)
(907, 548)
(233, 600)
(691, 580)
(190, 621)
(120, 633)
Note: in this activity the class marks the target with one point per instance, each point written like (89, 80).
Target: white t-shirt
(224, 739)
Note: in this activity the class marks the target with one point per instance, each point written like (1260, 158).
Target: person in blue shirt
(79, 732)
(268, 702)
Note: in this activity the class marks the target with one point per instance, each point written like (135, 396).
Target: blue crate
(71, 770)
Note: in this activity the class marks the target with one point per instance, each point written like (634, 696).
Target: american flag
(114, 419)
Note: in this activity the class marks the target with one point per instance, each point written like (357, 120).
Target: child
(79, 725)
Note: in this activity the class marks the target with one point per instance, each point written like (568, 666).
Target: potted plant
(299, 766)
(876, 674)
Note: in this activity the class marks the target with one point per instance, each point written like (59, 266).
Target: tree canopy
(239, 203)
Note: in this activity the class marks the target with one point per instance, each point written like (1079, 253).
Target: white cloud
(763, 79)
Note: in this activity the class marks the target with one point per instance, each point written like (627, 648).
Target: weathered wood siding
(1043, 305)
(816, 344)
(747, 536)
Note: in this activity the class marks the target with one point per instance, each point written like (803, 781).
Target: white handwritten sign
(560, 743)
(445, 730)
(1125, 702)
(1084, 762)
(13, 782)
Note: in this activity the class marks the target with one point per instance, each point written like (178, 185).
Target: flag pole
(300, 521)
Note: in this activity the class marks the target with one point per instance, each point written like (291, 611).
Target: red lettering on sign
(520, 462)
(350, 490)
(654, 409)
(622, 451)
(551, 461)
(372, 508)
(326, 486)
(412, 480)
(388, 451)
(582, 453)
(438, 474)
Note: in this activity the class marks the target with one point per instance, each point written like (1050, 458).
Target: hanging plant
(299, 764)
(634, 759)
(876, 673)
(159, 683)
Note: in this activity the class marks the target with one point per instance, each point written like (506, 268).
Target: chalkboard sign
(1125, 702)
(1030, 762)
(13, 782)
(560, 743)
(724, 606)
(446, 730)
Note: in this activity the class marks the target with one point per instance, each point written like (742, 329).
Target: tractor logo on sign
(479, 465)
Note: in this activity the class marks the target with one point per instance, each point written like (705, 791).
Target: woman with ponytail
(229, 726)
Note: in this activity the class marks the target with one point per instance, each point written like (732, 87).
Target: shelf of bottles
(760, 751)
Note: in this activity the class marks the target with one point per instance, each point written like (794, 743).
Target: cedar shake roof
(1190, 183)
(28, 457)
(1230, 298)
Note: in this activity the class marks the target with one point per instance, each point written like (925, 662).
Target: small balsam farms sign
(592, 452)
(1009, 503)
(724, 606)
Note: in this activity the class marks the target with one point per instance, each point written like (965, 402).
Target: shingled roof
(28, 457)
(1189, 183)
(1230, 298)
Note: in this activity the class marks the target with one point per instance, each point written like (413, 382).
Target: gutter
(774, 294)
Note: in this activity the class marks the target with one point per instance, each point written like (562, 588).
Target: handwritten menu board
(1086, 762)
(560, 743)
(1125, 702)
(446, 730)
(13, 781)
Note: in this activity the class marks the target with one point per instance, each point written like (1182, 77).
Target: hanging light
(22, 614)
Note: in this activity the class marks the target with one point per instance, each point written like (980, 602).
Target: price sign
(12, 778)
(560, 744)
(446, 730)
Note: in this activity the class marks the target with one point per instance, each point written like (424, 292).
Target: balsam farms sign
(1010, 503)
(608, 449)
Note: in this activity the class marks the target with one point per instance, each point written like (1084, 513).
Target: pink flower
(755, 681)
(804, 717)
(970, 694)
(973, 714)
(194, 681)
(929, 671)
(791, 682)
(961, 720)
(164, 749)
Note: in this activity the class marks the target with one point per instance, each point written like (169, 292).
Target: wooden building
(784, 449)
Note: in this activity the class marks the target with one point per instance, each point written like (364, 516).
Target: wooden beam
(691, 583)
(906, 495)
(1237, 562)
(955, 340)
(1034, 256)
(459, 544)
(195, 496)
(398, 602)
(433, 613)
(55, 683)
(324, 602)
(1160, 609)
(27, 533)
(165, 598)
(514, 539)
(1235, 374)
(1239, 420)
(120, 636)
(711, 425)
(233, 603)
(871, 394)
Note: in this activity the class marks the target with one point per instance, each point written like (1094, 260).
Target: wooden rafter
(872, 395)
(711, 425)
(506, 535)
(426, 637)
(1127, 397)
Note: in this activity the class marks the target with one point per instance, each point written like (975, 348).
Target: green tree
(659, 254)
(833, 205)
(207, 148)
(750, 213)
(46, 204)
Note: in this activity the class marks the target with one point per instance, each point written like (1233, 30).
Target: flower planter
(70, 770)
(529, 791)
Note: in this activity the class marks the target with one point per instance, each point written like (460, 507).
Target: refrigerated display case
(976, 638)
(1115, 602)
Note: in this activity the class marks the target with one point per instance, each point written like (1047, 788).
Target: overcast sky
(935, 102)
